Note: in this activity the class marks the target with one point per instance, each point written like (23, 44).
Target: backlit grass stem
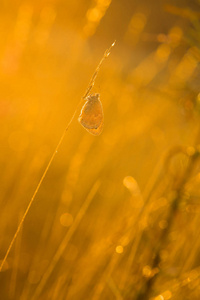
(89, 88)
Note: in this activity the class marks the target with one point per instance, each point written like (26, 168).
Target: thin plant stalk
(66, 239)
(147, 288)
(89, 88)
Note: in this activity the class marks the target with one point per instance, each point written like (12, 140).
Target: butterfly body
(91, 116)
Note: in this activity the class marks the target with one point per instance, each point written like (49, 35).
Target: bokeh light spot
(66, 220)
(119, 249)
(190, 151)
(160, 297)
(175, 35)
(163, 53)
(131, 184)
(94, 14)
(146, 271)
(167, 295)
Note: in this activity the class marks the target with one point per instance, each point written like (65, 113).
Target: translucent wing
(91, 116)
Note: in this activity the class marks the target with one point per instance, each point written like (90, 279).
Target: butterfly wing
(91, 116)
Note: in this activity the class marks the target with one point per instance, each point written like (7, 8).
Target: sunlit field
(117, 214)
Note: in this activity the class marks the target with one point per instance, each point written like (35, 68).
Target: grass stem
(89, 88)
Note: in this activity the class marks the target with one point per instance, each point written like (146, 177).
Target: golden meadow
(117, 216)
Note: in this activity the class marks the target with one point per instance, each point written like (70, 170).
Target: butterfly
(91, 116)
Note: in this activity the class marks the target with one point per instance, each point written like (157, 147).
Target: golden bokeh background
(117, 215)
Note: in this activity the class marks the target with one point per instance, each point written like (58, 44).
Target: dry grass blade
(66, 239)
(90, 86)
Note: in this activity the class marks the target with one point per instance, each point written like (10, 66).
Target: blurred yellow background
(97, 220)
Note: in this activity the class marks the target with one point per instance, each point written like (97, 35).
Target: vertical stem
(147, 288)
(90, 86)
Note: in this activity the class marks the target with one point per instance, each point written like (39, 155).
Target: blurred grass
(106, 202)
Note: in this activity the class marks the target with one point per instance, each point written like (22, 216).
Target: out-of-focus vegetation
(117, 216)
